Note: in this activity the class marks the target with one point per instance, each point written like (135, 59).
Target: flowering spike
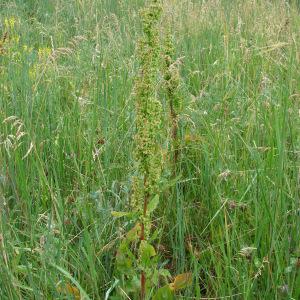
(173, 93)
(148, 112)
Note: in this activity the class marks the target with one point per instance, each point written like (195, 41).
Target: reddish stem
(143, 285)
(142, 238)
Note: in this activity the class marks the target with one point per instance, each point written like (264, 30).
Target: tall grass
(66, 141)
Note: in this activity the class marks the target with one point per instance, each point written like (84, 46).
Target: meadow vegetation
(212, 116)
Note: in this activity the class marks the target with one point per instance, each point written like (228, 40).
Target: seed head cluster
(148, 110)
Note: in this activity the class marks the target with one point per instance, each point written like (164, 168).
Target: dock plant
(173, 91)
(147, 156)
(137, 260)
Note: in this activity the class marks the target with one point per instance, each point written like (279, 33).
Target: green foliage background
(66, 141)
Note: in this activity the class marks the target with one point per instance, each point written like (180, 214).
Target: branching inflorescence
(148, 123)
(173, 94)
(148, 115)
(136, 258)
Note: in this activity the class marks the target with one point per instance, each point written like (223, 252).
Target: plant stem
(142, 238)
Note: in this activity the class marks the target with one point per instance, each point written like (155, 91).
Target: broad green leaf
(152, 205)
(181, 281)
(165, 273)
(147, 251)
(124, 257)
(134, 233)
(124, 263)
(164, 293)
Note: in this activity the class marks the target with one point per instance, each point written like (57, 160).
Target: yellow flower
(27, 49)
(43, 53)
(33, 71)
(15, 39)
(6, 23)
(10, 23)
